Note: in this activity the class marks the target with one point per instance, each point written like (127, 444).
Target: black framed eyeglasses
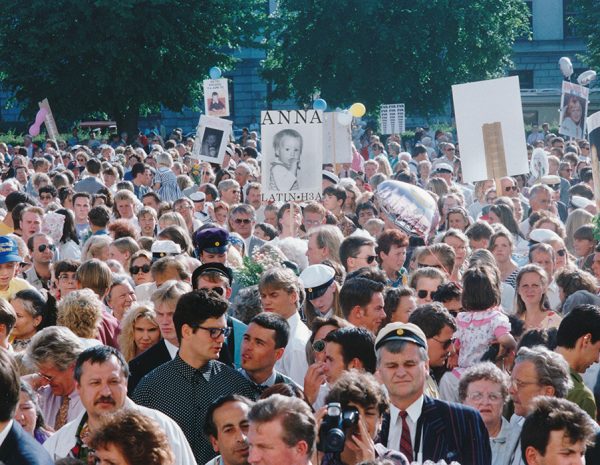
(137, 269)
(242, 221)
(43, 247)
(215, 333)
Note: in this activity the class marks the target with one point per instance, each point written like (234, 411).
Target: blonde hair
(93, 247)
(127, 345)
(81, 312)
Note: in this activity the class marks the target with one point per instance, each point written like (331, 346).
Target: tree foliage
(586, 21)
(389, 51)
(118, 56)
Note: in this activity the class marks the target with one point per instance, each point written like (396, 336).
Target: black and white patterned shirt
(185, 393)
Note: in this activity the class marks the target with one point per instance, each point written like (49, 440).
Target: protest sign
(489, 122)
(337, 140)
(573, 109)
(49, 120)
(292, 154)
(211, 140)
(593, 124)
(392, 118)
(216, 97)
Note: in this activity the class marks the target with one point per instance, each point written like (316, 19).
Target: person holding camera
(351, 421)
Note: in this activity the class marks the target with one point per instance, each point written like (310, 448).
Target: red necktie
(405, 442)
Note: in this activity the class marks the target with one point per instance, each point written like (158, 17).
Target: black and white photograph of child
(292, 153)
(287, 150)
(211, 141)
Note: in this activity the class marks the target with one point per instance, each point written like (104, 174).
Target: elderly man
(53, 352)
(424, 428)
(101, 378)
(537, 372)
(17, 447)
(230, 192)
(242, 220)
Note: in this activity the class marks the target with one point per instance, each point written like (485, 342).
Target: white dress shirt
(171, 348)
(414, 412)
(294, 363)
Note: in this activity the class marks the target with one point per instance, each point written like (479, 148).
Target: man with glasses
(185, 387)
(438, 326)
(357, 252)
(64, 278)
(53, 352)
(42, 251)
(540, 198)
(537, 372)
(313, 215)
(230, 192)
(185, 207)
(242, 220)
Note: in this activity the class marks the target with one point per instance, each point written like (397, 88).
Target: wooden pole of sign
(495, 157)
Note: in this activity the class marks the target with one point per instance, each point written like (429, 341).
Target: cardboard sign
(211, 140)
(593, 124)
(337, 140)
(292, 154)
(392, 118)
(477, 105)
(49, 120)
(573, 110)
(216, 97)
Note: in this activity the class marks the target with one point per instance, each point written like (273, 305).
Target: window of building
(570, 13)
(525, 77)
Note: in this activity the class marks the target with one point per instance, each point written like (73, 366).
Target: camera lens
(335, 440)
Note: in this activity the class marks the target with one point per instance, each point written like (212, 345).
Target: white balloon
(344, 118)
(566, 67)
(586, 77)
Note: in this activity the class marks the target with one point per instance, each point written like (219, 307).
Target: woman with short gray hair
(485, 388)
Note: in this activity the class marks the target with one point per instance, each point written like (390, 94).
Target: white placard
(593, 125)
(573, 110)
(392, 118)
(49, 120)
(487, 102)
(292, 154)
(337, 140)
(216, 97)
(211, 140)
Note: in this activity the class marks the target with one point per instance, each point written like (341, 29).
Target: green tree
(118, 57)
(586, 20)
(389, 51)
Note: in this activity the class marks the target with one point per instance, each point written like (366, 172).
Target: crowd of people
(155, 310)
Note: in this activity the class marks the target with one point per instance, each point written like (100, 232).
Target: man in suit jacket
(17, 447)
(420, 427)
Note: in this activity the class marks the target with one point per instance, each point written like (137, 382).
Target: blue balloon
(215, 72)
(320, 104)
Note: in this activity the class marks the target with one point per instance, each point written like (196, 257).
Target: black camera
(336, 426)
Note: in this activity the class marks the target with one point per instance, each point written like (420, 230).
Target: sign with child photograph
(292, 154)
(573, 110)
(216, 97)
(211, 139)
(337, 140)
(491, 135)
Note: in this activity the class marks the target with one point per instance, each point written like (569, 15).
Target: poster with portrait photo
(216, 97)
(292, 154)
(573, 110)
(593, 125)
(211, 139)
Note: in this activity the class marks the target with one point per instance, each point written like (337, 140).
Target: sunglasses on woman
(422, 294)
(137, 269)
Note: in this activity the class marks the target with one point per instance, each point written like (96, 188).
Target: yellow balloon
(357, 110)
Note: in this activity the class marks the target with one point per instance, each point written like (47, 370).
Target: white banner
(392, 118)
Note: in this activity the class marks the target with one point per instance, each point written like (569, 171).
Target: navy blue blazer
(21, 448)
(451, 432)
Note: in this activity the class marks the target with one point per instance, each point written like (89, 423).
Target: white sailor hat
(316, 280)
